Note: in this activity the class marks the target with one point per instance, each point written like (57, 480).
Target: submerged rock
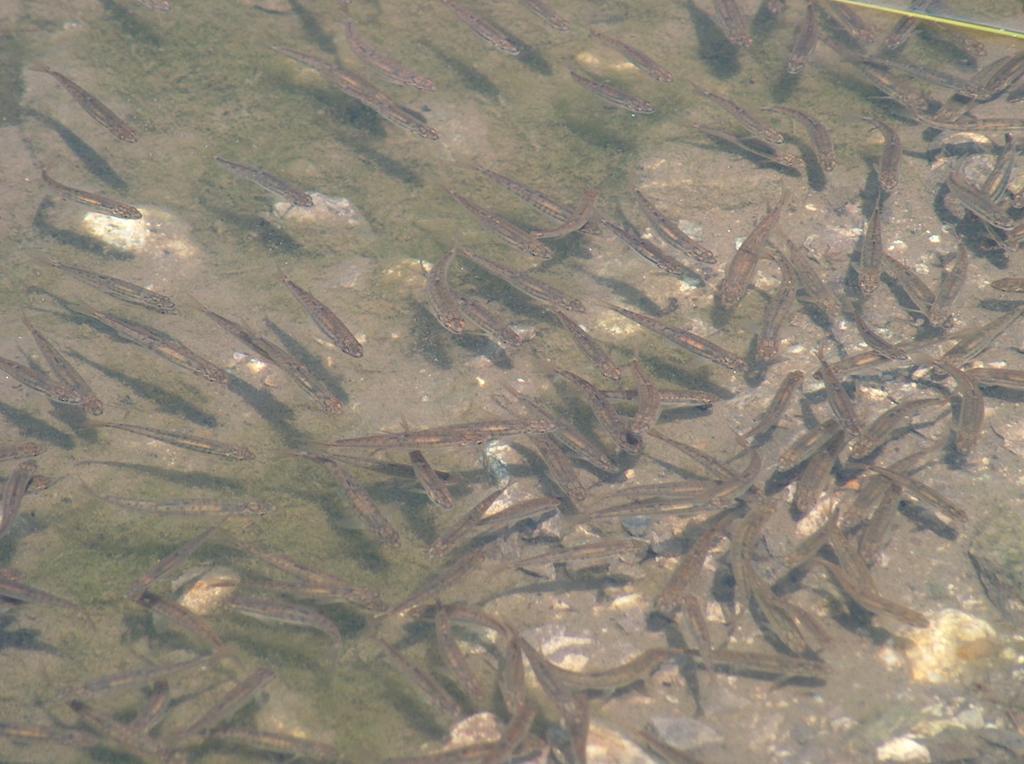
(943, 650)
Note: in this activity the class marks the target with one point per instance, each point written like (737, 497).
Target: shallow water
(202, 81)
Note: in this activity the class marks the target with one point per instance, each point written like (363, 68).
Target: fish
(53, 389)
(92, 106)
(925, 494)
(753, 146)
(430, 481)
(892, 152)
(651, 253)
(189, 441)
(25, 450)
(970, 416)
(613, 95)
(872, 250)
(638, 58)
(455, 660)
(233, 701)
(687, 340)
(809, 279)
(326, 319)
(591, 348)
(465, 434)
(441, 300)
(499, 332)
(978, 202)
(804, 42)
(950, 286)
(733, 23)
(14, 490)
(170, 563)
(391, 69)
(808, 444)
(604, 413)
(484, 29)
(755, 126)
(513, 234)
(119, 289)
(430, 689)
(103, 204)
(821, 139)
(297, 748)
(368, 95)
(191, 506)
(874, 340)
(65, 373)
(776, 312)
(536, 199)
(579, 219)
(446, 542)
(553, 19)
(275, 185)
(739, 272)
(838, 399)
(526, 284)
(162, 344)
(359, 498)
(274, 611)
(883, 428)
(672, 234)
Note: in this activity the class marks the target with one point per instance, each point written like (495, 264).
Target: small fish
(739, 272)
(613, 95)
(755, 126)
(104, 204)
(189, 441)
(638, 58)
(539, 201)
(469, 433)
(498, 331)
(65, 373)
(687, 340)
(93, 106)
(978, 202)
(919, 293)
(233, 701)
(886, 425)
(978, 340)
(808, 444)
(289, 746)
(821, 138)
(925, 494)
(191, 506)
(359, 498)
(847, 19)
(390, 68)
(119, 289)
(776, 311)
(874, 340)
(604, 413)
(753, 146)
(430, 481)
(162, 344)
(53, 389)
(590, 347)
(455, 660)
(648, 407)
(24, 450)
(163, 6)
(268, 182)
(814, 289)
(970, 416)
(779, 402)
(513, 234)
(1010, 284)
(553, 19)
(950, 286)
(650, 252)
(484, 29)
(441, 300)
(430, 689)
(326, 319)
(872, 250)
(526, 284)
(273, 611)
(579, 219)
(839, 400)
(804, 42)
(672, 234)
(172, 562)
(14, 490)
(734, 24)
(889, 165)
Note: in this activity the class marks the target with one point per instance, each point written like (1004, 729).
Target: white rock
(902, 749)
